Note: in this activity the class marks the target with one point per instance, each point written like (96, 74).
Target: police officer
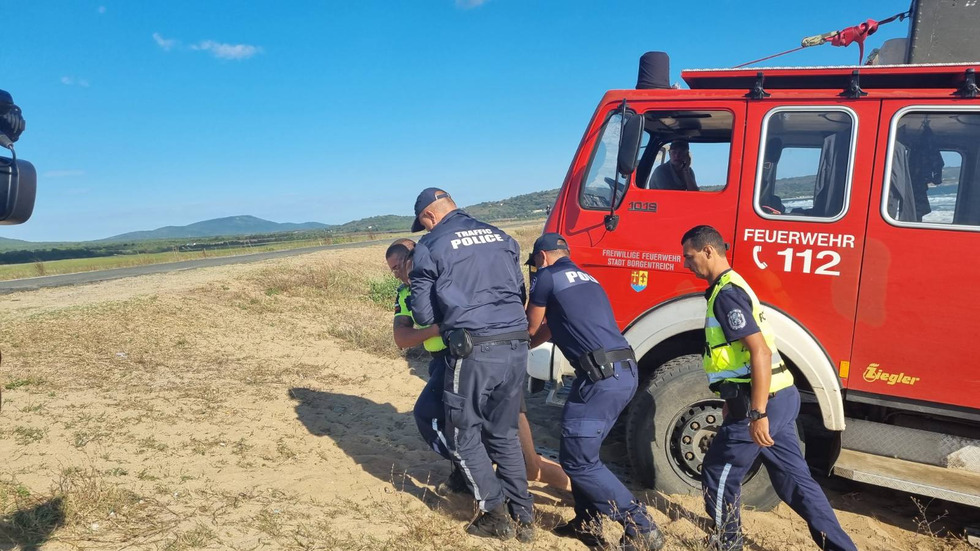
(581, 324)
(429, 412)
(466, 277)
(745, 369)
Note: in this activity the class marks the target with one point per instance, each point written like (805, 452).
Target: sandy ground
(222, 408)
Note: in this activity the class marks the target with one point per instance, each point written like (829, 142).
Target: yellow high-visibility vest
(402, 308)
(731, 361)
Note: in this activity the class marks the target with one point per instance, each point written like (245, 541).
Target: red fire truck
(850, 199)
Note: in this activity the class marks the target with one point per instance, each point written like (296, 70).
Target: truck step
(928, 480)
(558, 391)
(917, 446)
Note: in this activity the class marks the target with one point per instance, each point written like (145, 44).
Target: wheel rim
(691, 433)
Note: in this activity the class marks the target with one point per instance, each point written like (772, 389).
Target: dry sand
(238, 407)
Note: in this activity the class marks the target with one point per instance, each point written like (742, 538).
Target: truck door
(803, 210)
(640, 263)
(915, 330)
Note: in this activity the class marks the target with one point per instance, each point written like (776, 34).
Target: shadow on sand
(386, 444)
(28, 529)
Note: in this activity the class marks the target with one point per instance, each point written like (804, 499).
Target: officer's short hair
(400, 248)
(700, 236)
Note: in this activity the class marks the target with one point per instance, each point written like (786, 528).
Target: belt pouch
(738, 397)
(460, 343)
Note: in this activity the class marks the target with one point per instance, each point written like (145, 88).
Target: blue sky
(142, 114)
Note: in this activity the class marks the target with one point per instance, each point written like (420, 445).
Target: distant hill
(529, 205)
(6, 243)
(386, 222)
(232, 225)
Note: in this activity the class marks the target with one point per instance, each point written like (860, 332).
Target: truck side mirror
(629, 145)
(18, 186)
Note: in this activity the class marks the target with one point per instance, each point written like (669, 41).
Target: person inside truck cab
(676, 174)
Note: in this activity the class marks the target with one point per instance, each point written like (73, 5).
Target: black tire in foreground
(670, 425)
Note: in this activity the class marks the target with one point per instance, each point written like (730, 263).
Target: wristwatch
(756, 415)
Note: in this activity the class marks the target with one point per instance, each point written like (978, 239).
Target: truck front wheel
(670, 426)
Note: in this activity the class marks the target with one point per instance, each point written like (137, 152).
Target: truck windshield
(598, 186)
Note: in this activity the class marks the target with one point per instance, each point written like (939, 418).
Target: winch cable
(843, 37)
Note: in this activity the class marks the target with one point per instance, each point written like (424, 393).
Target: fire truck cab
(850, 200)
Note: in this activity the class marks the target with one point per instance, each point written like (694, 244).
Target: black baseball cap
(428, 196)
(547, 242)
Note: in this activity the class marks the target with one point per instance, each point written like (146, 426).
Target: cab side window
(597, 189)
(931, 176)
(806, 163)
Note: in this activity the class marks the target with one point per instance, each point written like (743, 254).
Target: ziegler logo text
(872, 374)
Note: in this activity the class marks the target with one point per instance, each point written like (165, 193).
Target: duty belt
(714, 386)
(501, 338)
(598, 364)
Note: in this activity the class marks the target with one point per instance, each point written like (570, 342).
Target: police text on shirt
(475, 237)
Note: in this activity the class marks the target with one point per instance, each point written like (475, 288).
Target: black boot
(493, 524)
(644, 541)
(585, 530)
(455, 484)
(525, 531)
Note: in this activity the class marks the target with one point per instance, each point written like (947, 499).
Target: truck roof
(947, 75)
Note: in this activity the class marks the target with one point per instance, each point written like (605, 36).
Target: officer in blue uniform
(744, 368)
(466, 277)
(429, 412)
(581, 324)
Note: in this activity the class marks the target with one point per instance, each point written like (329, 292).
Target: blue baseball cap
(428, 196)
(547, 242)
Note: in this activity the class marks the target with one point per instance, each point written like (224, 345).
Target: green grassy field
(75, 265)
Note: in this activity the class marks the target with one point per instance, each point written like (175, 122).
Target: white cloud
(469, 4)
(227, 51)
(166, 43)
(72, 81)
(101, 9)
(63, 173)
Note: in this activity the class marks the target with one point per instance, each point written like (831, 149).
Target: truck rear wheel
(670, 425)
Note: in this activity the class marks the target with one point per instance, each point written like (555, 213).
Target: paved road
(32, 283)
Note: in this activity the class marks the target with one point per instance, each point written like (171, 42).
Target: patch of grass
(202, 447)
(150, 444)
(284, 450)
(353, 297)
(84, 437)
(32, 408)
(196, 538)
(27, 435)
(382, 291)
(28, 381)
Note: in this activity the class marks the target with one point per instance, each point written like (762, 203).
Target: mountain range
(529, 205)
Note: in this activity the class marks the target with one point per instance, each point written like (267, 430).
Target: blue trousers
(590, 413)
(483, 398)
(429, 411)
(733, 453)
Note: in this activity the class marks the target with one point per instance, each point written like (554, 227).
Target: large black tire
(670, 425)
